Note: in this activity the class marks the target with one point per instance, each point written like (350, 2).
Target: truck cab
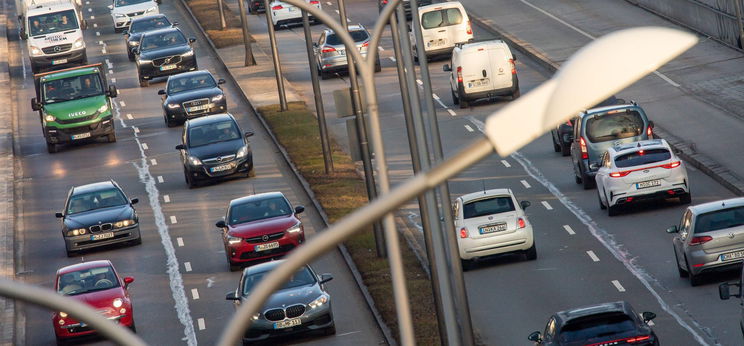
(74, 104)
(53, 34)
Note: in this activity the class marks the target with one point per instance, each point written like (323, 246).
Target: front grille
(101, 228)
(77, 120)
(57, 49)
(295, 311)
(134, 14)
(79, 329)
(274, 314)
(218, 159)
(167, 60)
(280, 250)
(195, 103)
(270, 237)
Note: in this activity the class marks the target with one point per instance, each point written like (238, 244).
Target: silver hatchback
(709, 237)
(331, 52)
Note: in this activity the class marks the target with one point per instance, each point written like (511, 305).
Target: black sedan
(190, 95)
(256, 6)
(301, 305)
(98, 214)
(139, 26)
(214, 148)
(563, 134)
(162, 53)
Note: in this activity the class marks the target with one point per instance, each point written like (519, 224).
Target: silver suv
(331, 52)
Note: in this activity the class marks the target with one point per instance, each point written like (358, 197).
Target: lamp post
(223, 23)
(275, 58)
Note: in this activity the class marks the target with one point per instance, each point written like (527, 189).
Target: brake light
(459, 74)
(582, 145)
(674, 164)
(569, 123)
(384, 2)
(463, 232)
(521, 223)
(631, 340)
(700, 240)
(650, 132)
(619, 174)
(639, 339)
(328, 50)
(513, 66)
(365, 44)
(314, 2)
(470, 29)
(277, 7)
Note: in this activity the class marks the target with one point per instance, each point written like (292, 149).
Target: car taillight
(470, 29)
(569, 123)
(314, 2)
(521, 223)
(650, 132)
(674, 164)
(513, 66)
(463, 232)
(619, 174)
(384, 2)
(582, 144)
(700, 240)
(459, 74)
(328, 50)
(277, 7)
(365, 44)
(638, 339)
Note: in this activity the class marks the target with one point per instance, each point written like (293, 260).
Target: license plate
(492, 228)
(342, 52)
(59, 61)
(732, 255)
(168, 67)
(221, 168)
(199, 108)
(292, 9)
(479, 83)
(287, 323)
(81, 135)
(267, 246)
(650, 183)
(102, 236)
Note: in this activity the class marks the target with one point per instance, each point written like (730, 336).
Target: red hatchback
(260, 227)
(97, 284)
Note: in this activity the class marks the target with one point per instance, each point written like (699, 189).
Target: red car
(97, 284)
(260, 227)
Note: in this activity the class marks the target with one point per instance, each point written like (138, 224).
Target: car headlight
(62, 314)
(49, 118)
(76, 232)
(152, 9)
(119, 15)
(118, 302)
(173, 105)
(242, 152)
(218, 97)
(103, 108)
(233, 240)
(134, 43)
(35, 51)
(256, 316)
(79, 43)
(189, 53)
(144, 61)
(194, 161)
(123, 223)
(318, 302)
(296, 228)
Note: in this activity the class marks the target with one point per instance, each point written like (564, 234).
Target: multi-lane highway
(181, 274)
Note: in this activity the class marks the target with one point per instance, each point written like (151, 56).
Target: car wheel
(324, 75)
(168, 123)
(463, 103)
(71, 253)
(142, 82)
(588, 183)
(61, 342)
(189, 180)
(515, 95)
(577, 179)
(565, 150)
(111, 137)
(133, 327)
(599, 199)
(466, 264)
(137, 241)
(277, 27)
(330, 330)
(455, 100)
(34, 69)
(682, 272)
(130, 55)
(695, 280)
(556, 147)
(531, 253)
(378, 66)
(233, 267)
(252, 171)
(613, 210)
(686, 198)
(52, 148)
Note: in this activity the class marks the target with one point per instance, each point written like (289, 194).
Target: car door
(575, 147)
(602, 175)
(499, 73)
(680, 238)
(456, 209)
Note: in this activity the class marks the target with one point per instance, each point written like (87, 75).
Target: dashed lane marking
(441, 103)
(145, 146)
(95, 25)
(617, 285)
(98, 33)
(470, 129)
(435, 96)
(201, 324)
(111, 71)
(329, 3)
(336, 11)
(419, 82)
(100, 42)
(525, 184)
(380, 48)
(451, 112)
(592, 255)
(392, 58)
(160, 179)
(187, 266)
(569, 229)
(136, 129)
(173, 219)
(505, 163)
(179, 240)
(113, 80)
(195, 293)
(90, 10)
(103, 50)
(129, 116)
(547, 205)
(153, 162)
(92, 17)
(166, 198)
(122, 103)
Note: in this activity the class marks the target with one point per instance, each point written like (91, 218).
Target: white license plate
(480, 82)
(646, 184)
(168, 67)
(342, 52)
(492, 228)
(292, 9)
(267, 246)
(221, 168)
(102, 236)
(81, 135)
(287, 323)
(732, 255)
(59, 61)
(199, 108)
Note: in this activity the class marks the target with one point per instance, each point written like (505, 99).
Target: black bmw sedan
(98, 214)
(162, 53)
(190, 95)
(139, 26)
(302, 305)
(214, 147)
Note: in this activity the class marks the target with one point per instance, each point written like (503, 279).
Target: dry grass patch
(208, 15)
(339, 194)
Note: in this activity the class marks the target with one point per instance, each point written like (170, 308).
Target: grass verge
(339, 194)
(208, 14)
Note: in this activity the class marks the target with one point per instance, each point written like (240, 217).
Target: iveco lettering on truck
(53, 34)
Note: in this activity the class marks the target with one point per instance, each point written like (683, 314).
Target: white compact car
(123, 11)
(641, 170)
(491, 222)
(442, 26)
(284, 13)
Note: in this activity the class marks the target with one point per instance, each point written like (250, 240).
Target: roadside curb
(387, 333)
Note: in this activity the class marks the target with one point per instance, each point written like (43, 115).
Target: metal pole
(275, 56)
(362, 133)
(737, 5)
(324, 142)
(462, 307)
(223, 23)
(249, 59)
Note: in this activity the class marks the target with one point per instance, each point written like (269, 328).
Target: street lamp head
(594, 73)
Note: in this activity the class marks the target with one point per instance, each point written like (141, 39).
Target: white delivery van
(53, 35)
(482, 70)
(442, 26)
(23, 5)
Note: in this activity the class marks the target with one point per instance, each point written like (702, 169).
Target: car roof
(49, 7)
(210, 119)
(717, 205)
(72, 72)
(189, 74)
(262, 267)
(481, 44)
(619, 306)
(256, 197)
(102, 185)
(142, 19)
(440, 5)
(83, 266)
(487, 193)
(645, 144)
(162, 30)
(352, 27)
(605, 109)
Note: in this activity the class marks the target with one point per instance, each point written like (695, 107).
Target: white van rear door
(477, 70)
(502, 69)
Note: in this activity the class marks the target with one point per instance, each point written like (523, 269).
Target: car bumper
(149, 71)
(294, 17)
(246, 252)
(124, 22)
(700, 261)
(239, 166)
(60, 135)
(472, 248)
(312, 320)
(71, 57)
(470, 96)
(336, 63)
(84, 242)
(666, 190)
(78, 329)
(180, 114)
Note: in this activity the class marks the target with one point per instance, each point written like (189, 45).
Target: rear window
(487, 206)
(719, 219)
(356, 35)
(642, 157)
(147, 24)
(596, 326)
(441, 18)
(604, 127)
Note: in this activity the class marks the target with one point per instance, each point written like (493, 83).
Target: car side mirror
(525, 204)
(192, 40)
(112, 91)
(161, 92)
(724, 290)
(128, 280)
(248, 134)
(221, 224)
(325, 278)
(24, 36)
(136, 50)
(672, 229)
(299, 209)
(221, 81)
(110, 7)
(648, 316)
(535, 336)
(446, 68)
(232, 296)
(594, 166)
(650, 124)
(35, 105)
(180, 147)
(59, 215)
(514, 57)
(125, 32)
(134, 201)
(159, 1)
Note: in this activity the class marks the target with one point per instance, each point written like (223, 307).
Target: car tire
(189, 180)
(324, 75)
(137, 241)
(143, 83)
(695, 280)
(277, 27)
(588, 183)
(556, 147)
(682, 272)
(330, 330)
(62, 342)
(378, 66)
(686, 198)
(565, 150)
(133, 327)
(251, 172)
(111, 137)
(168, 123)
(463, 103)
(34, 69)
(577, 179)
(52, 148)
(71, 253)
(531, 253)
(233, 267)
(515, 95)
(130, 55)
(613, 210)
(455, 100)
(466, 264)
(599, 200)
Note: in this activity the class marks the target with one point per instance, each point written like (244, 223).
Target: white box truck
(53, 34)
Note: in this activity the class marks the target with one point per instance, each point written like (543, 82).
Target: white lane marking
(470, 129)
(349, 333)
(173, 219)
(154, 162)
(435, 96)
(419, 82)
(129, 116)
(90, 10)
(392, 58)
(336, 11)
(136, 129)
(441, 103)
(380, 48)
(593, 256)
(122, 103)
(100, 42)
(144, 146)
(201, 323)
(657, 73)
(92, 17)
(187, 266)
(179, 240)
(210, 282)
(113, 80)
(569, 229)
(111, 71)
(95, 25)
(547, 205)
(109, 64)
(87, 2)
(98, 33)
(617, 285)
(103, 50)
(451, 112)
(160, 179)
(505, 163)
(526, 185)
(329, 3)
(166, 198)
(348, 20)
(195, 293)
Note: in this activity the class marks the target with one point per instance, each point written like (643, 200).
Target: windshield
(302, 277)
(52, 22)
(212, 133)
(604, 127)
(719, 219)
(258, 210)
(642, 157)
(87, 280)
(441, 18)
(596, 326)
(179, 84)
(488, 206)
(148, 23)
(357, 35)
(83, 202)
(120, 3)
(162, 40)
(71, 88)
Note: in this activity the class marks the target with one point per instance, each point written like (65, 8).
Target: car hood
(78, 108)
(165, 51)
(134, 8)
(193, 95)
(297, 295)
(105, 215)
(100, 299)
(217, 149)
(264, 226)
